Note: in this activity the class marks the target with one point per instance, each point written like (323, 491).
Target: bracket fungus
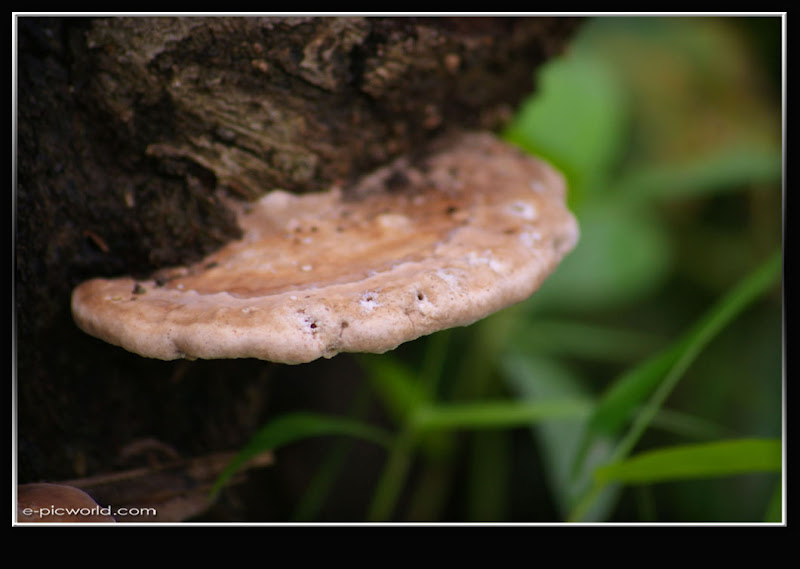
(420, 245)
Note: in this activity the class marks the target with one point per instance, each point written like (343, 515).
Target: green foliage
(586, 147)
(640, 361)
(294, 427)
(719, 458)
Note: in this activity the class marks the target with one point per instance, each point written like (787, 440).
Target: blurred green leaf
(626, 395)
(567, 337)
(754, 285)
(295, 427)
(661, 373)
(663, 370)
(536, 378)
(496, 414)
(688, 426)
(721, 458)
(576, 120)
(725, 169)
(775, 507)
(700, 115)
(623, 255)
(397, 385)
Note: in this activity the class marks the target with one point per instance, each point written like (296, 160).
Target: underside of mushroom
(440, 239)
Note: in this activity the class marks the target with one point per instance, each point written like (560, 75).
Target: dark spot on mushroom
(420, 296)
(212, 265)
(139, 289)
(451, 210)
(396, 181)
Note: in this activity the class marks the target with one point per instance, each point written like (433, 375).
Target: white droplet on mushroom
(369, 301)
(530, 239)
(498, 266)
(448, 277)
(538, 186)
(393, 221)
(488, 259)
(525, 210)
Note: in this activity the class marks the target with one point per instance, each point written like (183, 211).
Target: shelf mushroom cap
(417, 246)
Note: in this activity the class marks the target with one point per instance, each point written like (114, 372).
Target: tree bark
(128, 132)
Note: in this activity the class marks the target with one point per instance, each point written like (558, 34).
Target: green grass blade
(688, 426)
(720, 171)
(662, 371)
(752, 287)
(775, 507)
(497, 414)
(614, 406)
(398, 386)
(389, 487)
(324, 479)
(540, 379)
(565, 337)
(295, 427)
(704, 460)
(618, 404)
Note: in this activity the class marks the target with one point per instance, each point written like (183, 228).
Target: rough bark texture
(129, 129)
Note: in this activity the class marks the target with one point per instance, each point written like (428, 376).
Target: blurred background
(669, 131)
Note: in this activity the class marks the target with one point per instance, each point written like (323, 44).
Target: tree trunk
(129, 131)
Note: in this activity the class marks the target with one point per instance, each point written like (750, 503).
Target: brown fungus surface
(418, 246)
